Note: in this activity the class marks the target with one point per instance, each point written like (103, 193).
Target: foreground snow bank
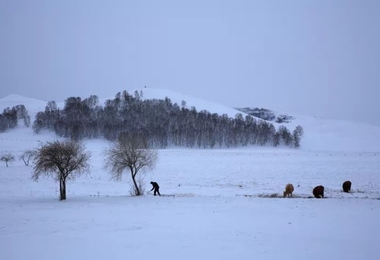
(189, 228)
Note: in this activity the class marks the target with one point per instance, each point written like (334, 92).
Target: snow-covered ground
(223, 203)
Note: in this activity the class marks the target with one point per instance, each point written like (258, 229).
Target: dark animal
(318, 191)
(288, 190)
(346, 186)
(156, 188)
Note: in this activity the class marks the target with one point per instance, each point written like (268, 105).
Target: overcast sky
(319, 58)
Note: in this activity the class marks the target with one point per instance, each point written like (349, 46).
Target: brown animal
(318, 191)
(288, 190)
(346, 186)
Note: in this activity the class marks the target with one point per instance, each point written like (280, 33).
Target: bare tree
(63, 160)
(130, 152)
(27, 156)
(7, 158)
(140, 184)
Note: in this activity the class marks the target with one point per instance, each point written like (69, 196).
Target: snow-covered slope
(175, 97)
(337, 135)
(32, 105)
(320, 134)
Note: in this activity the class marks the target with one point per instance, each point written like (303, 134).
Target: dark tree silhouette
(64, 160)
(297, 135)
(162, 122)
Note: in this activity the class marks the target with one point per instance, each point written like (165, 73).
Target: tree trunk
(137, 190)
(6, 163)
(62, 189)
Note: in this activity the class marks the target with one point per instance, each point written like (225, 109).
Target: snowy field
(220, 208)
(220, 203)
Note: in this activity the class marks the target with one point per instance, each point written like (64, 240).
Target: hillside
(199, 104)
(32, 105)
(202, 191)
(320, 134)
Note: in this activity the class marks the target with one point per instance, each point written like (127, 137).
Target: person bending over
(156, 188)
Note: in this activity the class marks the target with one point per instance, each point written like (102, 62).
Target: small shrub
(7, 158)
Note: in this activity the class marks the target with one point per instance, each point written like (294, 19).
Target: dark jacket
(155, 185)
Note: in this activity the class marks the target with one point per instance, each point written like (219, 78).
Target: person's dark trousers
(157, 191)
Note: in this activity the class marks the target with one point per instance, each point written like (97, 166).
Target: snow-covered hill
(320, 134)
(175, 97)
(32, 105)
(219, 203)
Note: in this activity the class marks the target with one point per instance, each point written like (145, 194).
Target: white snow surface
(220, 203)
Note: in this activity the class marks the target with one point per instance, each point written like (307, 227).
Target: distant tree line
(161, 122)
(262, 113)
(266, 114)
(10, 116)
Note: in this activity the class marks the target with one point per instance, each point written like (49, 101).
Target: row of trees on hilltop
(162, 122)
(10, 116)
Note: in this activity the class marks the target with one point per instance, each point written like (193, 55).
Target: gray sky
(317, 58)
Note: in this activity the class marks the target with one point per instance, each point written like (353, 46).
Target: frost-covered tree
(40, 122)
(297, 135)
(3, 123)
(131, 153)
(22, 113)
(10, 117)
(286, 136)
(27, 156)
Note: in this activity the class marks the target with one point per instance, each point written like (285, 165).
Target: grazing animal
(288, 190)
(318, 191)
(346, 186)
